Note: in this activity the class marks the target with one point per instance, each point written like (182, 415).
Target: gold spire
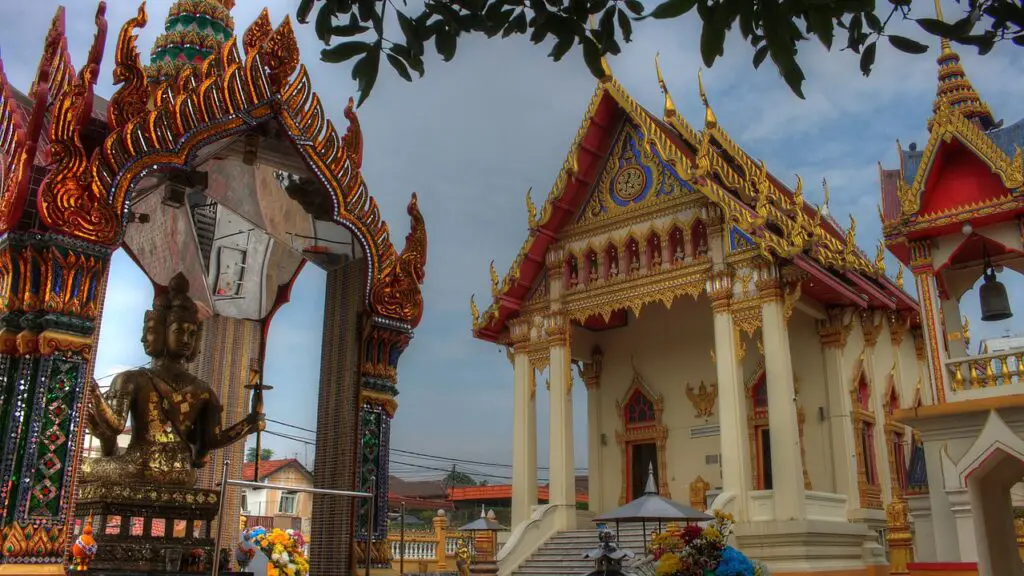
(955, 89)
(670, 106)
(710, 120)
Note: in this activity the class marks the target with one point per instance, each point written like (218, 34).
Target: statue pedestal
(144, 528)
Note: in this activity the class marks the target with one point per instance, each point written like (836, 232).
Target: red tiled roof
(499, 492)
(268, 468)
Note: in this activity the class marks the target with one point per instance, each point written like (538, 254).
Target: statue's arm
(227, 436)
(108, 413)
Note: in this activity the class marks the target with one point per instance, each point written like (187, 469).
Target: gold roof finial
(899, 276)
(531, 210)
(710, 120)
(474, 311)
(494, 281)
(880, 258)
(955, 89)
(670, 106)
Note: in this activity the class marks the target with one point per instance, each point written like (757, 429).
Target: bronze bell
(995, 304)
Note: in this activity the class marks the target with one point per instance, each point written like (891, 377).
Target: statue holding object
(175, 421)
(175, 417)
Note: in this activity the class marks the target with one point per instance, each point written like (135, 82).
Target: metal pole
(220, 518)
(369, 525)
(263, 486)
(401, 541)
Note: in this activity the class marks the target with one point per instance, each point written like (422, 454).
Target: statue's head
(172, 328)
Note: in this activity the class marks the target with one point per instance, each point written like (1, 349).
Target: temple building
(731, 337)
(953, 212)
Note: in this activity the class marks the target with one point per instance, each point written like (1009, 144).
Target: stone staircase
(562, 555)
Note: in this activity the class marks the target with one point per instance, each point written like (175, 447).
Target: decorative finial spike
(899, 276)
(531, 211)
(494, 281)
(710, 120)
(474, 311)
(670, 106)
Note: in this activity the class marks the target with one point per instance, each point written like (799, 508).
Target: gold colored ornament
(475, 312)
(131, 99)
(494, 281)
(899, 276)
(670, 106)
(703, 399)
(630, 183)
(531, 211)
(880, 258)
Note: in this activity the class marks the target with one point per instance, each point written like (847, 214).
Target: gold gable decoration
(634, 178)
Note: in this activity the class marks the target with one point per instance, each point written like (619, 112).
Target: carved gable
(635, 176)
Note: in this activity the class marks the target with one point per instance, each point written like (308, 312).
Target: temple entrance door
(764, 451)
(642, 458)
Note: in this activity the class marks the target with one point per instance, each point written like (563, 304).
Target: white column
(524, 441)
(787, 463)
(561, 468)
(833, 333)
(732, 411)
(595, 464)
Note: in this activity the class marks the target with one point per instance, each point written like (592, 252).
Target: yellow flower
(667, 565)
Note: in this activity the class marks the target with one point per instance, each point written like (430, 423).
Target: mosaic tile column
(332, 529)
(51, 294)
(383, 342)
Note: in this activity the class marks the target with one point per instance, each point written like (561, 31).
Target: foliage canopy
(355, 29)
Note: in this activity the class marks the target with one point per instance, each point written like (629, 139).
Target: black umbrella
(652, 508)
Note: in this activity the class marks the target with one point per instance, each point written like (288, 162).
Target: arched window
(611, 261)
(864, 436)
(639, 410)
(653, 251)
(633, 258)
(572, 272)
(896, 438)
(699, 238)
(676, 245)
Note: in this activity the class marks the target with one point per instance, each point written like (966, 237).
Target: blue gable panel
(739, 240)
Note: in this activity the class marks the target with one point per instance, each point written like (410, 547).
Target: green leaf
(712, 38)
(635, 6)
(606, 25)
(344, 51)
(626, 26)
(904, 44)
(867, 58)
(324, 23)
(399, 67)
(821, 24)
(760, 55)
(562, 46)
(445, 43)
(367, 72)
(1018, 40)
(348, 30)
(873, 22)
(935, 27)
(592, 57)
(305, 7)
(671, 9)
(411, 33)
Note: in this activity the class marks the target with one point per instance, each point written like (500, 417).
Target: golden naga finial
(899, 275)
(881, 215)
(132, 97)
(798, 195)
(880, 258)
(494, 281)
(710, 120)
(474, 311)
(670, 106)
(967, 331)
(531, 211)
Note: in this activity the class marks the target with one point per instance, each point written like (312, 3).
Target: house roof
(417, 488)
(269, 468)
(775, 218)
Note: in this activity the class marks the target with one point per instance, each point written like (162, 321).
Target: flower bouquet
(284, 549)
(700, 551)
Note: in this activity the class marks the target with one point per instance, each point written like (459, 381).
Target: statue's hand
(256, 421)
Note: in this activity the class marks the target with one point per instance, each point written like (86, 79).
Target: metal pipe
(370, 526)
(401, 541)
(260, 485)
(220, 518)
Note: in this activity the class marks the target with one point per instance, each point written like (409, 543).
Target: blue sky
(471, 137)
